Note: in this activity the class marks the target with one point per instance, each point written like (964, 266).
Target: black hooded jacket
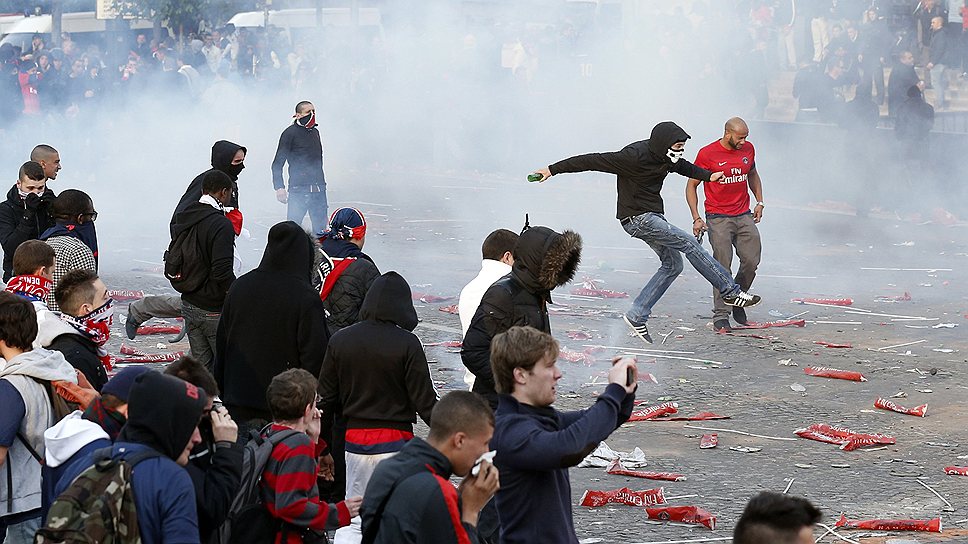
(18, 223)
(217, 241)
(376, 369)
(641, 168)
(272, 320)
(543, 260)
(163, 412)
(222, 154)
(344, 301)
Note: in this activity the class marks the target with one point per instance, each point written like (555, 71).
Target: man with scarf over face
(345, 273)
(25, 213)
(163, 416)
(86, 316)
(275, 301)
(301, 147)
(641, 167)
(73, 236)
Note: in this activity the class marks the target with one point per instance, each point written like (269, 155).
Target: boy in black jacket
(409, 499)
(202, 307)
(377, 372)
(536, 444)
(641, 168)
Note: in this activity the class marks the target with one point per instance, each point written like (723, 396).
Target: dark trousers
(201, 325)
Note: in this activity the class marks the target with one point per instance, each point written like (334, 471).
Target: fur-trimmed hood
(545, 259)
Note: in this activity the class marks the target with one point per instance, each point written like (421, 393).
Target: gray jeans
(740, 232)
(202, 325)
(155, 306)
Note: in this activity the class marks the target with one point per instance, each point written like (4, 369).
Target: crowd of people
(842, 69)
(272, 430)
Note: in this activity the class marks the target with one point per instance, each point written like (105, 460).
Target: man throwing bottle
(728, 216)
(641, 167)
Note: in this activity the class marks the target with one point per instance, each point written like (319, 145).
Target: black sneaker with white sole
(741, 299)
(639, 329)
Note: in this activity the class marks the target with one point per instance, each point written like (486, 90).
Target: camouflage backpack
(98, 507)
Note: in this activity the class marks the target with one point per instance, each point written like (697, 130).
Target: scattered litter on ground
(603, 455)
(847, 439)
(617, 468)
(931, 525)
(648, 497)
(826, 372)
(885, 404)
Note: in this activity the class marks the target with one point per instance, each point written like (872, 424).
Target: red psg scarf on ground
(96, 327)
(33, 288)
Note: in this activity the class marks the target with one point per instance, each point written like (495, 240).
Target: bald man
(729, 220)
(48, 158)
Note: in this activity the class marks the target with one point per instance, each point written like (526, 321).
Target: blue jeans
(939, 82)
(668, 241)
(302, 201)
(23, 532)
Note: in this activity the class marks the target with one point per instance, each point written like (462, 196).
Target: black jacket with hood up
(543, 260)
(272, 320)
(641, 168)
(222, 154)
(18, 223)
(216, 247)
(376, 369)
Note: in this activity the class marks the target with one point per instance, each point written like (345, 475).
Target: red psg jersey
(730, 195)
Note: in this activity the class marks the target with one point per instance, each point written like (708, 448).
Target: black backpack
(248, 520)
(183, 265)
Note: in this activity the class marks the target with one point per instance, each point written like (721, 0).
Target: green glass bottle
(534, 177)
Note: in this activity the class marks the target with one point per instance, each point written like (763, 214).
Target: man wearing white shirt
(496, 250)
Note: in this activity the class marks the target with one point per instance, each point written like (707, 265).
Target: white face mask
(674, 154)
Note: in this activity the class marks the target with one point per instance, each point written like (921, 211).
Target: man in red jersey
(728, 217)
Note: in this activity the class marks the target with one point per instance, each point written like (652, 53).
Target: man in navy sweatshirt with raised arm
(536, 444)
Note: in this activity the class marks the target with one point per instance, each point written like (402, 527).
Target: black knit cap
(163, 412)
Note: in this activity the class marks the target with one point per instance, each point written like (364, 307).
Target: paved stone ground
(433, 241)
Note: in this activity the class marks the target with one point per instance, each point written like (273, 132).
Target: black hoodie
(272, 320)
(641, 168)
(543, 260)
(217, 240)
(376, 369)
(222, 154)
(18, 223)
(163, 412)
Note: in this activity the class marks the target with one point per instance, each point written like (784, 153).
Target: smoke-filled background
(433, 112)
